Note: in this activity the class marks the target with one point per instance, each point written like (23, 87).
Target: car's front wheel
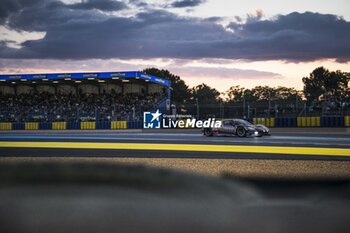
(208, 132)
(241, 132)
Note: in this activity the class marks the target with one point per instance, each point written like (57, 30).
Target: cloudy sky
(218, 42)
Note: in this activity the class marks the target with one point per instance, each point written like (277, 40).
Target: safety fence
(91, 125)
(87, 125)
(262, 109)
(328, 121)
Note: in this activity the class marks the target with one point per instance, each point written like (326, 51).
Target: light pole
(324, 108)
(269, 104)
(243, 106)
(296, 102)
(197, 108)
(222, 109)
(248, 111)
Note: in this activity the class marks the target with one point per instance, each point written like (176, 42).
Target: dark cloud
(104, 5)
(138, 3)
(215, 19)
(8, 7)
(84, 34)
(296, 36)
(50, 15)
(186, 3)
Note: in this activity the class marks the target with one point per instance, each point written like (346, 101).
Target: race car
(239, 127)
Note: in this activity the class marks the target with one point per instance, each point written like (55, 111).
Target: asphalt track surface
(295, 183)
(284, 144)
(299, 181)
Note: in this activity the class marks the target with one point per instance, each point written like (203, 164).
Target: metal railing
(261, 109)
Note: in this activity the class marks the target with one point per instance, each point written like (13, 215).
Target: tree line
(320, 85)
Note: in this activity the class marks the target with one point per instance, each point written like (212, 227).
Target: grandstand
(73, 98)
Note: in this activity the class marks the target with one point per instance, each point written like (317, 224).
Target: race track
(177, 144)
(291, 153)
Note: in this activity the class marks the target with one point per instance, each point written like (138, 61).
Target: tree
(235, 94)
(180, 91)
(239, 94)
(206, 100)
(322, 83)
(336, 84)
(205, 94)
(286, 93)
(263, 93)
(314, 85)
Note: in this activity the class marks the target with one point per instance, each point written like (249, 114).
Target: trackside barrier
(286, 122)
(31, 126)
(18, 126)
(59, 125)
(258, 120)
(103, 125)
(269, 122)
(135, 125)
(347, 121)
(73, 125)
(332, 121)
(5, 126)
(118, 125)
(308, 121)
(45, 125)
(329, 121)
(88, 125)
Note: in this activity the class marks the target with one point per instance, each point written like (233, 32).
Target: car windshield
(244, 122)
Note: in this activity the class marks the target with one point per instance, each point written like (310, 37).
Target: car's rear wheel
(241, 132)
(208, 132)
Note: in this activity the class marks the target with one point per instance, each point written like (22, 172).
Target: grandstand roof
(88, 76)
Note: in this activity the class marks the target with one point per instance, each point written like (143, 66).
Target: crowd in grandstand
(46, 106)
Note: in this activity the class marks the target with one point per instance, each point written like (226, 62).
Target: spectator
(70, 107)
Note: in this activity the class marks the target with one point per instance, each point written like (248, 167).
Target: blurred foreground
(100, 197)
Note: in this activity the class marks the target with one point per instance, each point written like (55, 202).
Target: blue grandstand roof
(89, 75)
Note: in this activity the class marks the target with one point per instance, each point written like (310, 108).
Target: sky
(221, 43)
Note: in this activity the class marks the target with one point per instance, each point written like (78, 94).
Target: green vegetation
(320, 84)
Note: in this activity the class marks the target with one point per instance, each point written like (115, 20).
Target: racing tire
(208, 132)
(241, 132)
